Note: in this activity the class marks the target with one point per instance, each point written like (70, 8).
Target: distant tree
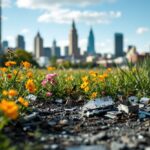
(18, 55)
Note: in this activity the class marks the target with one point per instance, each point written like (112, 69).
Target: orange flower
(9, 108)
(29, 74)
(26, 64)
(12, 93)
(10, 63)
(23, 102)
(3, 69)
(94, 94)
(30, 86)
(51, 68)
(105, 75)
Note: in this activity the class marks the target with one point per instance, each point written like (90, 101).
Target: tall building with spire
(38, 46)
(73, 42)
(20, 42)
(91, 43)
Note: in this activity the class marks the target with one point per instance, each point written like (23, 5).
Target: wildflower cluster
(47, 82)
(16, 83)
(93, 83)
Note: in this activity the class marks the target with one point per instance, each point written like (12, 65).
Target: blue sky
(53, 19)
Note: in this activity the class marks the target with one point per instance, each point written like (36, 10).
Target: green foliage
(18, 55)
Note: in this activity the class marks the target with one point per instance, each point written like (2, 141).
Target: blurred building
(47, 52)
(5, 45)
(20, 42)
(66, 51)
(38, 46)
(55, 50)
(73, 42)
(91, 43)
(118, 45)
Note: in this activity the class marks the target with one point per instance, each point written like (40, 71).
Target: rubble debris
(97, 106)
(133, 99)
(143, 113)
(31, 116)
(113, 114)
(128, 109)
(59, 101)
(31, 97)
(145, 100)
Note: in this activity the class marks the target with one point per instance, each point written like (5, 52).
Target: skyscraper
(91, 43)
(73, 42)
(55, 50)
(118, 44)
(20, 43)
(38, 46)
(47, 52)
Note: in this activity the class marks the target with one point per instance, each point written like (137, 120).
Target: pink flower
(48, 94)
(51, 76)
(44, 82)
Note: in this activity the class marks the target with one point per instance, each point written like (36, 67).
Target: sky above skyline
(53, 19)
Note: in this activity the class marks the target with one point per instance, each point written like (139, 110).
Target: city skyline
(106, 17)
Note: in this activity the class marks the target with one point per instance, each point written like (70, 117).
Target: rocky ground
(59, 126)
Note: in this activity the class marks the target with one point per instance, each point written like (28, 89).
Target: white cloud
(88, 17)
(58, 11)
(25, 31)
(6, 3)
(142, 30)
(47, 4)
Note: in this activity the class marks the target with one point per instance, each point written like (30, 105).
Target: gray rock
(117, 146)
(64, 122)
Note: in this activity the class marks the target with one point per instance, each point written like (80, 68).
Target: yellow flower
(23, 102)
(93, 73)
(84, 85)
(101, 78)
(15, 72)
(12, 93)
(10, 63)
(86, 89)
(93, 96)
(4, 93)
(26, 64)
(51, 68)
(30, 86)
(9, 108)
(85, 78)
